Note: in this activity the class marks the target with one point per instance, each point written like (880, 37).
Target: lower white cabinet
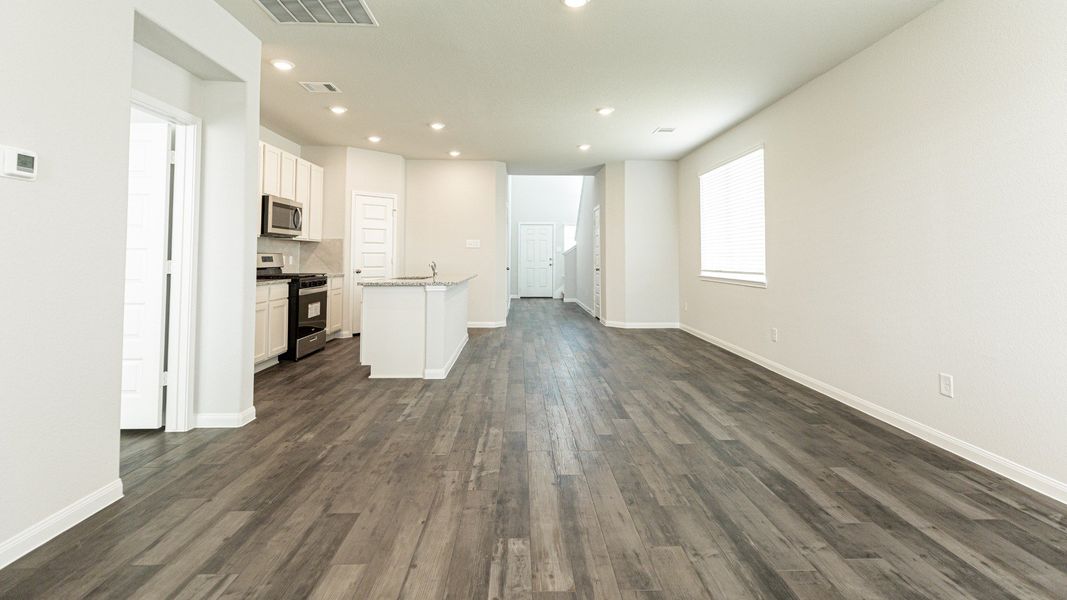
(272, 321)
(335, 304)
(262, 312)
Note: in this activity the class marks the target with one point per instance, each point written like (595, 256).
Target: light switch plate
(474, 243)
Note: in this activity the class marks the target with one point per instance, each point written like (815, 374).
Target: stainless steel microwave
(281, 217)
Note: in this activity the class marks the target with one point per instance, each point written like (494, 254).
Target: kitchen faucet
(433, 269)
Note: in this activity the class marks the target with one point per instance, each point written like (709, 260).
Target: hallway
(559, 456)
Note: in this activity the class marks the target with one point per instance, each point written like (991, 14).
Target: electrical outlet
(947, 386)
(774, 334)
(685, 306)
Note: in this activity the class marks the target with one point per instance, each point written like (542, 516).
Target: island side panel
(393, 340)
(446, 327)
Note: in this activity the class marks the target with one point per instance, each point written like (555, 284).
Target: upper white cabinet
(293, 178)
(303, 196)
(271, 170)
(316, 204)
(288, 176)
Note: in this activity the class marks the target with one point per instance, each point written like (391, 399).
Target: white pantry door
(146, 238)
(373, 224)
(596, 262)
(536, 243)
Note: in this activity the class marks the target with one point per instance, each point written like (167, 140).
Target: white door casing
(536, 258)
(596, 262)
(144, 301)
(373, 239)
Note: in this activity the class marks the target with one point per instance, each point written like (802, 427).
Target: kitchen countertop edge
(442, 280)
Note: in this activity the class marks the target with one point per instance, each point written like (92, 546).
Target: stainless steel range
(308, 293)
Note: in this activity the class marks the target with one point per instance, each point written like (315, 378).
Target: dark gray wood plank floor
(560, 459)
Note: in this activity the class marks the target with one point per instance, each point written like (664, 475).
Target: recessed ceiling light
(437, 126)
(584, 147)
(374, 139)
(607, 110)
(338, 110)
(454, 153)
(282, 64)
(576, 3)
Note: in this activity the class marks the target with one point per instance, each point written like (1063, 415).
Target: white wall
(280, 141)
(449, 202)
(60, 363)
(915, 225)
(165, 81)
(350, 170)
(584, 237)
(651, 243)
(543, 199)
(613, 243)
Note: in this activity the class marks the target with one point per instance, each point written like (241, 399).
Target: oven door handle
(314, 290)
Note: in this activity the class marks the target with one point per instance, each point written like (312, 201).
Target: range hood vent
(320, 87)
(319, 12)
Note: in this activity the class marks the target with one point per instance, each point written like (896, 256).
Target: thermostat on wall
(18, 164)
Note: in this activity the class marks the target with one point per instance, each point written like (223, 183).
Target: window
(569, 232)
(732, 237)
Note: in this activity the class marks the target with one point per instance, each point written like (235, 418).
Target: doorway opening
(544, 219)
(159, 304)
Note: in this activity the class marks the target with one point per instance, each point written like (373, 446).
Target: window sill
(741, 282)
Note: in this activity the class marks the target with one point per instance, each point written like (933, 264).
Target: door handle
(358, 271)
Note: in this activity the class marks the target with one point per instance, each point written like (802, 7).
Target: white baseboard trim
(623, 325)
(486, 324)
(226, 420)
(37, 534)
(270, 362)
(1020, 474)
(442, 373)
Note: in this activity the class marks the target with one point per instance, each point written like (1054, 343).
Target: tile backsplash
(326, 256)
(289, 249)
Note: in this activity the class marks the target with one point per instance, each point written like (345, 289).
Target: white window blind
(732, 234)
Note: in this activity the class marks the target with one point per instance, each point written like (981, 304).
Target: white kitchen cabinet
(272, 321)
(288, 176)
(315, 203)
(278, 327)
(271, 170)
(262, 149)
(303, 196)
(335, 304)
(262, 312)
(293, 178)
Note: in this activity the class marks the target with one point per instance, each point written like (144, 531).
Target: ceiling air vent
(663, 130)
(319, 12)
(320, 87)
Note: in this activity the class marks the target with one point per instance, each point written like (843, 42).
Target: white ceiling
(518, 80)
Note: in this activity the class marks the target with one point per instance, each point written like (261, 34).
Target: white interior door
(146, 238)
(536, 243)
(596, 262)
(372, 246)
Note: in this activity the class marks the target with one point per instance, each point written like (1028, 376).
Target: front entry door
(536, 241)
(373, 225)
(146, 238)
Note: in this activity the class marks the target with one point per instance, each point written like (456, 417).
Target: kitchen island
(414, 327)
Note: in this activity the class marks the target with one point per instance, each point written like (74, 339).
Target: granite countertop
(445, 280)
